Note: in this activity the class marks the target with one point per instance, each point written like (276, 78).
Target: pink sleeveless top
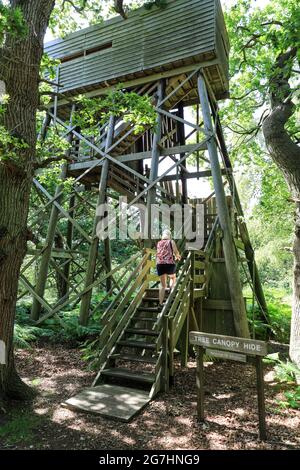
(164, 254)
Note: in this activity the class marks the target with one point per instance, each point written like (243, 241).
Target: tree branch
(76, 8)
(237, 98)
(118, 7)
(49, 160)
(43, 80)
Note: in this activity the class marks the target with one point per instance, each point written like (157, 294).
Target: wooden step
(106, 399)
(130, 358)
(136, 319)
(148, 309)
(150, 299)
(140, 376)
(155, 292)
(141, 331)
(136, 344)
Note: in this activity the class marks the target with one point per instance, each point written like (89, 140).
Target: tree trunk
(286, 155)
(295, 326)
(20, 60)
(14, 197)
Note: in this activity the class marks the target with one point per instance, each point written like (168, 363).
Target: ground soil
(169, 422)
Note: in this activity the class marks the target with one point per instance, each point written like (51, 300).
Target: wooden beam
(140, 81)
(154, 162)
(131, 157)
(86, 298)
(194, 174)
(238, 305)
(44, 264)
(181, 139)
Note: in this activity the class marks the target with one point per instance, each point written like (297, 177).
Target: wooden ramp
(111, 401)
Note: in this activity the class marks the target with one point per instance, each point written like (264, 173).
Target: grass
(20, 428)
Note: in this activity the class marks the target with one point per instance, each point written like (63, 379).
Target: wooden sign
(2, 352)
(230, 347)
(227, 355)
(250, 347)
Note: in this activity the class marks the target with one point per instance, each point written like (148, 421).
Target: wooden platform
(111, 401)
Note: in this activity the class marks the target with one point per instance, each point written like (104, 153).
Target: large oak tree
(23, 25)
(265, 101)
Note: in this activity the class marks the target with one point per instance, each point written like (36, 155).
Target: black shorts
(166, 269)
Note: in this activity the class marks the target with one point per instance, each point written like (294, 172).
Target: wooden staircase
(138, 337)
(135, 358)
(141, 354)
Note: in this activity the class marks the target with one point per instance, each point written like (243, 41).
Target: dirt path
(169, 422)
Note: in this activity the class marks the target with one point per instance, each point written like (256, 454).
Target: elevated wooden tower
(178, 56)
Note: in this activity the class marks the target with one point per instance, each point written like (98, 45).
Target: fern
(24, 335)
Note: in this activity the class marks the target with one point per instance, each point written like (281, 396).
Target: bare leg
(172, 281)
(162, 289)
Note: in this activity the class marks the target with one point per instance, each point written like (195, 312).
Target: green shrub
(279, 310)
(286, 372)
(62, 328)
(292, 399)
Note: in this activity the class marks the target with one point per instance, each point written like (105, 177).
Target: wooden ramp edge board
(110, 401)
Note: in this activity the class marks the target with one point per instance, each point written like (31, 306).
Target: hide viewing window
(86, 52)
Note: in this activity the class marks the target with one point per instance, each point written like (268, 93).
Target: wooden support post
(69, 244)
(44, 266)
(91, 266)
(107, 256)
(238, 305)
(242, 225)
(200, 383)
(184, 342)
(43, 271)
(165, 356)
(181, 141)
(261, 398)
(154, 161)
(171, 349)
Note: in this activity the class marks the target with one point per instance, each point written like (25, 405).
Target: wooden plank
(198, 293)
(183, 30)
(142, 80)
(200, 384)
(111, 401)
(64, 212)
(226, 355)
(229, 343)
(199, 278)
(215, 304)
(131, 157)
(199, 264)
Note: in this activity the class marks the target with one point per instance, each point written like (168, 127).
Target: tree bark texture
(286, 154)
(20, 59)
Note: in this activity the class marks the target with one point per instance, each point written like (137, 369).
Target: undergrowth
(278, 325)
(287, 373)
(59, 329)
